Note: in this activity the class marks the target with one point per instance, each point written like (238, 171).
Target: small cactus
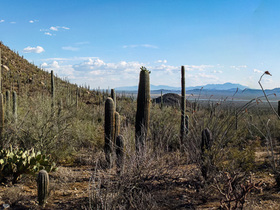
(43, 187)
(143, 109)
(109, 129)
(206, 144)
(183, 105)
(119, 153)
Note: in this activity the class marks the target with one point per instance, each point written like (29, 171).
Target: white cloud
(70, 48)
(37, 49)
(31, 21)
(56, 28)
(140, 45)
(48, 34)
(161, 61)
(257, 71)
(239, 67)
(2, 21)
(217, 72)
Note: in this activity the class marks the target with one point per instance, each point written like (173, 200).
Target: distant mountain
(225, 86)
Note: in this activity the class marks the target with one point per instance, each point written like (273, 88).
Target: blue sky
(103, 43)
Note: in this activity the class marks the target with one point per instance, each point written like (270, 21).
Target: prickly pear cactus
(43, 187)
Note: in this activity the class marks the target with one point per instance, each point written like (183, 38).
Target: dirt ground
(70, 189)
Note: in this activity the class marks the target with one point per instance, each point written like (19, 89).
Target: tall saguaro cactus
(113, 96)
(143, 109)
(117, 126)
(183, 106)
(109, 129)
(52, 85)
(0, 72)
(8, 105)
(15, 106)
(43, 187)
(1, 114)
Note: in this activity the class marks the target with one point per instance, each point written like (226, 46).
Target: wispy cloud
(258, 71)
(56, 28)
(49, 34)
(238, 68)
(2, 21)
(13, 22)
(140, 45)
(161, 61)
(37, 49)
(33, 21)
(70, 48)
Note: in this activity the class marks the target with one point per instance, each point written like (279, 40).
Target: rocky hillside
(23, 77)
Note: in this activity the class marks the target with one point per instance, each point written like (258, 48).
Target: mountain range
(225, 86)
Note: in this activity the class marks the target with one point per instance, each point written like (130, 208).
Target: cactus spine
(109, 129)
(143, 109)
(43, 187)
(183, 105)
(119, 153)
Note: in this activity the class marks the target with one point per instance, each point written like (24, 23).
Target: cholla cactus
(143, 109)
(43, 187)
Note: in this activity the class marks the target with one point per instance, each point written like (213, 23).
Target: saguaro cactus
(119, 153)
(15, 106)
(109, 129)
(1, 114)
(183, 105)
(206, 144)
(187, 124)
(143, 109)
(0, 72)
(113, 96)
(43, 187)
(117, 126)
(8, 104)
(52, 85)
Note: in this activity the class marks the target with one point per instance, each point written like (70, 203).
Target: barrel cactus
(43, 187)
(143, 109)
